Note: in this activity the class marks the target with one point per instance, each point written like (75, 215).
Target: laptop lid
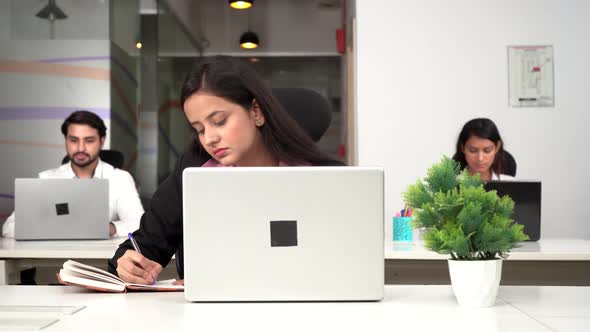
(283, 234)
(61, 209)
(527, 203)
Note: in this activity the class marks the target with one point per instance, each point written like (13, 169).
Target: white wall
(4, 20)
(425, 67)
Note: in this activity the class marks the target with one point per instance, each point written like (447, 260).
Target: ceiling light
(240, 4)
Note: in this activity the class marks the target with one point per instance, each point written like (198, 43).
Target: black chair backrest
(310, 109)
(113, 157)
(509, 164)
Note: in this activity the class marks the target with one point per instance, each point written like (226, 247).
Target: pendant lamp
(240, 4)
(249, 40)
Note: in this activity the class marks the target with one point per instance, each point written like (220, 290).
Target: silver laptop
(61, 209)
(283, 234)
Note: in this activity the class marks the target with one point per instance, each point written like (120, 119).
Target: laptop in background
(61, 209)
(283, 234)
(527, 203)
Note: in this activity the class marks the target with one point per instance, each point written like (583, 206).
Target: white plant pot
(475, 283)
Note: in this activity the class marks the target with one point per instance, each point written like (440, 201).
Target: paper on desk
(167, 282)
(56, 310)
(25, 323)
(161, 284)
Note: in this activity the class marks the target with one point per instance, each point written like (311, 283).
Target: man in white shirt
(85, 133)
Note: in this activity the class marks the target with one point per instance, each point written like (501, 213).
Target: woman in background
(480, 149)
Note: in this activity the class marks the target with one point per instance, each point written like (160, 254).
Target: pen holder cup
(402, 229)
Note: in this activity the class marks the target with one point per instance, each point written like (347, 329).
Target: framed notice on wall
(530, 75)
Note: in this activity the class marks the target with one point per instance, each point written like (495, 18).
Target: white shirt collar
(98, 171)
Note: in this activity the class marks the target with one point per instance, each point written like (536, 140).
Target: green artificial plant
(462, 218)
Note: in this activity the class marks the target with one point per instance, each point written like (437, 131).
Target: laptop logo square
(283, 233)
(62, 209)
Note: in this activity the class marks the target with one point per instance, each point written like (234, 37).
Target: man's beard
(84, 164)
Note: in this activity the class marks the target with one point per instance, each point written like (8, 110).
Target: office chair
(309, 109)
(113, 157)
(509, 164)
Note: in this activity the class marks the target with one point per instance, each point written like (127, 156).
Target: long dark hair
(482, 128)
(235, 81)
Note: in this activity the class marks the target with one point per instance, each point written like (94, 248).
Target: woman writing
(238, 122)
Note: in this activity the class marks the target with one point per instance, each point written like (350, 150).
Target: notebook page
(74, 278)
(70, 263)
(92, 275)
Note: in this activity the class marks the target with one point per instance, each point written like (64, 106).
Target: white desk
(555, 262)
(563, 249)
(13, 253)
(90, 249)
(405, 308)
(19, 255)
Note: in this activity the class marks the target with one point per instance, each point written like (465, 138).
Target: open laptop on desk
(61, 209)
(283, 234)
(527, 203)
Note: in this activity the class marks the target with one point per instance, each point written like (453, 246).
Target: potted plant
(468, 223)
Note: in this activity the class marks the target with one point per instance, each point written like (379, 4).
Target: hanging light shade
(52, 12)
(249, 40)
(240, 4)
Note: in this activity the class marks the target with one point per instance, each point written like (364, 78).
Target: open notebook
(78, 274)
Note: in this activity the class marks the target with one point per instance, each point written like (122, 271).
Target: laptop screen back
(61, 209)
(527, 203)
(283, 233)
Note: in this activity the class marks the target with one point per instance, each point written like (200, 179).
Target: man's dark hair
(86, 118)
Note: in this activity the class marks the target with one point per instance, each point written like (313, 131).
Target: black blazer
(160, 231)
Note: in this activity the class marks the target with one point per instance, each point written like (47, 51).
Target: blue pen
(133, 242)
(136, 248)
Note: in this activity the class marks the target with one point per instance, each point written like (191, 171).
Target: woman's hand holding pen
(133, 267)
